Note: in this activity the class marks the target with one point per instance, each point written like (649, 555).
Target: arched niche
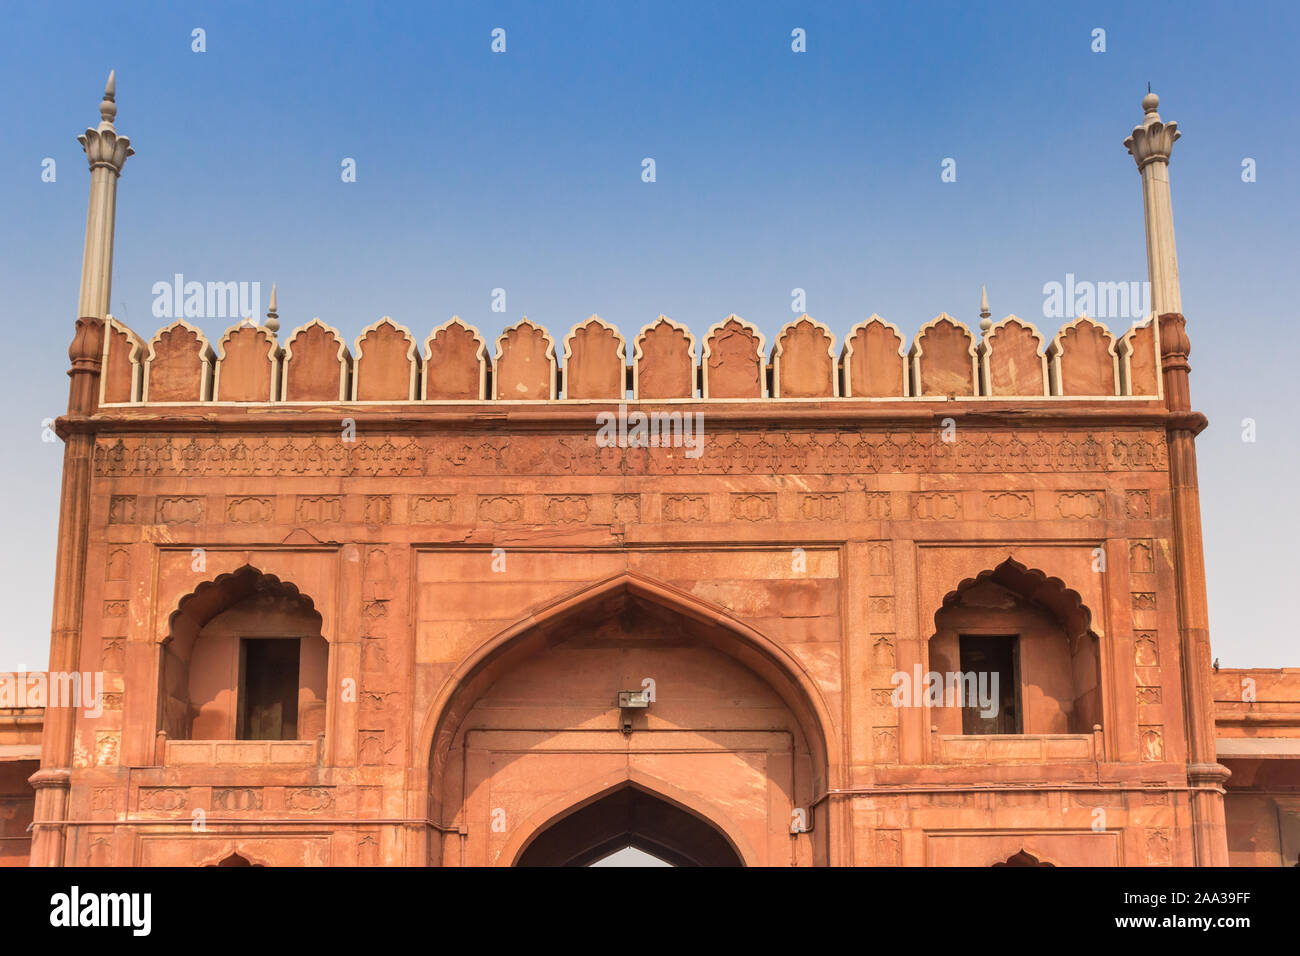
(1015, 617)
(226, 659)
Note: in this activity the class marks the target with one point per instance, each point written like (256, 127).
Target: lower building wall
(17, 803)
(1045, 827)
(1263, 829)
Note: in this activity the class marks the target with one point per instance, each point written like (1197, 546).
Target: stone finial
(272, 317)
(1150, 103)
(986, 321)
(1154, 139)
(108, 106)
(104, 148)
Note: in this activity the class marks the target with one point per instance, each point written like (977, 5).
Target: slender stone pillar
(1150, 145)
(106, 152)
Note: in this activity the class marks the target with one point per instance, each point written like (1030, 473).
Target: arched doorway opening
(629, 816)
(529, 732)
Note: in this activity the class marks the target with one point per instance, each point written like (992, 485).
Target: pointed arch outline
(245, 570)
(609, 783)
(798, 689)
(1065, 603)
(1023, 858)
(229, 850)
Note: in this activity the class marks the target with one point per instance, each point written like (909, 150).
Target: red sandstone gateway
(395, 602)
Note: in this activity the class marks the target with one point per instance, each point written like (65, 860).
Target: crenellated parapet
(945, 361)
(178, 366)
(317, 366)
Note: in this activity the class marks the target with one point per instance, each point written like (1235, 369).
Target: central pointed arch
(625, 602)
(766, 657)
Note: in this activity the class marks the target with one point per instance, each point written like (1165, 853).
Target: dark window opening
(990, 691)
(268, 689)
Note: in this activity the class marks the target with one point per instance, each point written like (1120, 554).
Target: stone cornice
(179, 420)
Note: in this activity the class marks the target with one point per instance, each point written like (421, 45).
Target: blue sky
(775, 170)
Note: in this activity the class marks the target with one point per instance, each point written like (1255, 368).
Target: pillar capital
(47, 777)
(104, 148)
(1153, 140)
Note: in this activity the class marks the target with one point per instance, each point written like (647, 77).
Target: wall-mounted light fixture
(628, 701)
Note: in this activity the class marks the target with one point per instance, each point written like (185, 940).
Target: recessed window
(268, 689)
(990, 686)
